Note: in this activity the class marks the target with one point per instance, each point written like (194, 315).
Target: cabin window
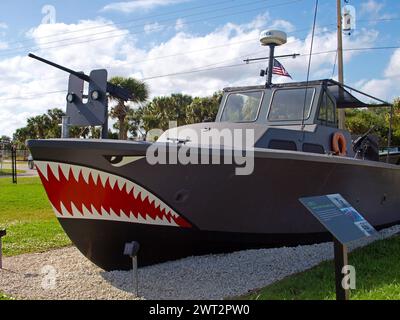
(288, 104)
(282, 145)
(327, 110)
(242, 106)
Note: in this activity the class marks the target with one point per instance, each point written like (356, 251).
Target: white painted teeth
(42, 167)
(78, 172)
(85, 174)
(86, 211)
(112, 180)
(54, 168)
(95, 175)
(136, 191)
(64, 210)
(65, 169)
(121, 184)
(103, 178)
(129, 187)
(75, 210)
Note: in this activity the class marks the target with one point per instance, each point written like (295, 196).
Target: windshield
(288, 104)
(242, 106)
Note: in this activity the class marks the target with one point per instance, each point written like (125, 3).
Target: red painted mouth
(84, 193)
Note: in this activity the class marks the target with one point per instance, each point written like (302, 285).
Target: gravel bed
(31, 276)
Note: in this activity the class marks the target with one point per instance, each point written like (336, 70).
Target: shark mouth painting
(78, 192)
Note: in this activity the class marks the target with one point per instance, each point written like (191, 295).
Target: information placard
(339, 217)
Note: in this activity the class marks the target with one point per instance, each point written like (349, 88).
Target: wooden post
(341, 260)
(341, 112)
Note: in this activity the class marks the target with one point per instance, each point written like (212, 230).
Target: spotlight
(70, 97)
(95, 95)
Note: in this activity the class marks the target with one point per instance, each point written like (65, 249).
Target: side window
(288, 104)
(327, 110)
(242, 106)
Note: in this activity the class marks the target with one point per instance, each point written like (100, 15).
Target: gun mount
(94, 112)
(112, 89)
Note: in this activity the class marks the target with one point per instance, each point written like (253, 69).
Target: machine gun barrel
(112, 89)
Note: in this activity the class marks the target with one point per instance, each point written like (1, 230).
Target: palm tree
(120, 111)
(38, 126)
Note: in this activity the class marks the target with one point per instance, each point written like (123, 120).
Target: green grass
(4, 297)
(26, 213)
(377, 277)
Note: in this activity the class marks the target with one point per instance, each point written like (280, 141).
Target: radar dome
(273, 37)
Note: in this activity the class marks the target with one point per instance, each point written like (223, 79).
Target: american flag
(280, 70)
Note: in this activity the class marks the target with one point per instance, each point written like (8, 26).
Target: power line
(141, 25)
(124, 22)
(8, 51)
(33, 95)
(207, 68)
(227, 44)
(159, 27)
(257, 62)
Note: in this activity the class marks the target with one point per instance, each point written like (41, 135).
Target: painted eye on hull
(120, 161)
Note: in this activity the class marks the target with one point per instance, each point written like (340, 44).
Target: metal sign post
(14, 164)
(65, 124)
(341, 260)
(131, 249)
(2, 234)
(345, 224)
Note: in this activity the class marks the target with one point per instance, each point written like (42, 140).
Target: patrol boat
(106, 193)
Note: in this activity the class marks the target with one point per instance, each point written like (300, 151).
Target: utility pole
(341, 114)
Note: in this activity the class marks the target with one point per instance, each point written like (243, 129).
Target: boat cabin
(300, 116)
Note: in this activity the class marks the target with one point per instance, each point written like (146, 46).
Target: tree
(20, 136)
(204, 109)
(55, 117)
(359, 121)
(5, 142)
(38, 126)
(181, 108)
(162, 110)
(120, 111)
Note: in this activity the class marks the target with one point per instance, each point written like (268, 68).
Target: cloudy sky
(188, 46)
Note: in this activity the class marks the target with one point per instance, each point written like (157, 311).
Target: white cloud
(228, 44)
(371, 6)
(153, 27)
(139, 5)
(373, 10)
(393, 69)
(283, 25)
(388, 86)
(180, 24)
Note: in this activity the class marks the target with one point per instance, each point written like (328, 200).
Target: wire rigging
(309, 65)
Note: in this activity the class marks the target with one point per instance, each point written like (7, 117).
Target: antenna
(272, 38)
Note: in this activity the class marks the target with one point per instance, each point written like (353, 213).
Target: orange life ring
(339, 144)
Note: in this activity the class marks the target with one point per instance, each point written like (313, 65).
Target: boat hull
(103, 242)
(176, 211)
